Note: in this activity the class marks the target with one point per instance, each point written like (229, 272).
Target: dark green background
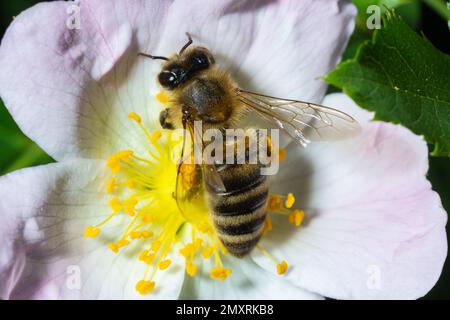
(17, 151)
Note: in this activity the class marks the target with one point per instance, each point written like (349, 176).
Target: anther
(134, 116)
(91, 232)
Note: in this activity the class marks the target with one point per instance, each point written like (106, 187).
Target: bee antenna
(188, 43)
(152, 57)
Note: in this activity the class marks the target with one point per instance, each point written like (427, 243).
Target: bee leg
(164, 120)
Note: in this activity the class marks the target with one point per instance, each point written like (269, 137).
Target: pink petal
(247, 281)
(44, 212)
(71, 90)
(373, 228)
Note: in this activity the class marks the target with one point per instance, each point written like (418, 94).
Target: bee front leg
(165, 120)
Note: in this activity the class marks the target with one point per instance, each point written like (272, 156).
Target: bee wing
(303, 121)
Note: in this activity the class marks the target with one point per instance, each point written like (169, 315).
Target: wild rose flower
(365, 223)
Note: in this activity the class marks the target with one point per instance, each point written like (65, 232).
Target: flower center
(142, 189)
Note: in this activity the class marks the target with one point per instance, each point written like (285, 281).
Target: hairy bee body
(239, 212)
(201, 91)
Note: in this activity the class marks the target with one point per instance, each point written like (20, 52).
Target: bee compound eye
(200, 60)
(168, 79)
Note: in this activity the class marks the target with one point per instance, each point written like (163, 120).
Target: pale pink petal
(373, 228)
(71, 90)
(247, 281)
(43, 214)
(276, 47)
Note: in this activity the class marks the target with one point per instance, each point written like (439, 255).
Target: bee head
(183, 66)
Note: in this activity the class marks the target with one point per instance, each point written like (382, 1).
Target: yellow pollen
(155, 136)
(131, 184)
(203, 227)
(275, 203)
(162, 97)
(147, 218)
(282, 154)
(296, 217)
(208, 252)
(129, 205)
(144, 287)
(267, 226)
(191, 269)
(110, 185)
(146, 257)
(220, 273)
(123, 243)
(115, 204)
(135, 234)
(146, 234)
(91, 232)
(113, 164)
(290, 200)
(162, 265)
(188, 250)
(114, 247)
(135, 117)
(156, 245)
(282, 267)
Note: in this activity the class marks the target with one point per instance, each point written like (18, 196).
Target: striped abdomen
(239, 213)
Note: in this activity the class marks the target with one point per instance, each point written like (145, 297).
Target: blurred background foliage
(429, 17)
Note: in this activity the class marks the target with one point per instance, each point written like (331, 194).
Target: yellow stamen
(208, 252)
(156, 135)
(91, 232)
(275, 203)
(114, 247)
(115, 204)
(191, 269)
(162, 265)
(267, 226)
(135, 117)
(220, 273)
(131, 184)
(282, 267)
(144, 287)
(290, 200)
(296, 217)
(129, 205)
(110, 185)
(162, 97)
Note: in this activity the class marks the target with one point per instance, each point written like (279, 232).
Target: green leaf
(402, 78)
(16, 150)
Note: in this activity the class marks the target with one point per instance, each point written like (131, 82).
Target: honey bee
(237, 193)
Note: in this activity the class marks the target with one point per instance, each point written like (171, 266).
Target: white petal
(83, 83)
(373, 226)
(247, 281)
(44, 212)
